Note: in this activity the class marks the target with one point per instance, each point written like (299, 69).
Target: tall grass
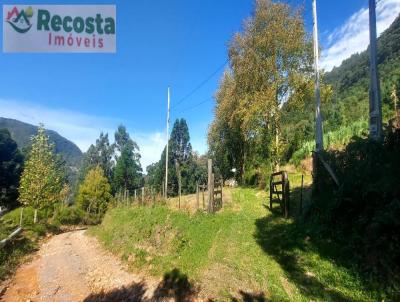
(332, 140)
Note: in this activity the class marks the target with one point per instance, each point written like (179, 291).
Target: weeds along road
(74, 267)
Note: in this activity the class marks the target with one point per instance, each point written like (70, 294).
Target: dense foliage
(100, 154)
(94, 192)
(128, 171)
(363, 211)
(43, 176)
(11, 164)
(119, 161)
(181, 159)
(264, 114)
(269, 78)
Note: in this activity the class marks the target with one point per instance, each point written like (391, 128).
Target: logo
(20, 20)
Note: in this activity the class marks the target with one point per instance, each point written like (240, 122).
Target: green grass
(24, 244)
(242, 252)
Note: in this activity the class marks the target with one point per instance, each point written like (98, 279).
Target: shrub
(69, 215)
(364, 210)
(333, 140)
(94, 193)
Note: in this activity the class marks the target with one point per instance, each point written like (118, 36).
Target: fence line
(14, 233)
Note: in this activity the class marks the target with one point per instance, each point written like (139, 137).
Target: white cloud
(353, 36)
(151, 146)
(83, 129)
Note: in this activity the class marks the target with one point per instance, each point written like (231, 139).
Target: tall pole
(319, 140)
(166, 151)
(375, 105)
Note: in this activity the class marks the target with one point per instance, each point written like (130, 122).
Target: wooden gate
(217, 198)
(279, 191)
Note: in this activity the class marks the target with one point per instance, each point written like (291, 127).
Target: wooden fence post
(285, 194)
(142, 195)
(202, 189)
(270, 193)
(179, 186)
(197, 194)
(209, 185)
(301, 195)
(20, 218)
(222, 185)
(212, 192)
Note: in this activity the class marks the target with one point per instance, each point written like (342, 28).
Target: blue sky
(176, 43)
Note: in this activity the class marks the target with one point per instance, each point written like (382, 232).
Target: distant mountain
(21, 132)
(350, 81)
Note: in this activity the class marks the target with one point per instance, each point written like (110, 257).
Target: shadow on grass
(174, 286)
(249, 297)
(283, 239)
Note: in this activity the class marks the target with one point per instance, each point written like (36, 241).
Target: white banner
(59, 28)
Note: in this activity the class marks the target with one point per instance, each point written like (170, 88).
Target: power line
(200, 85)
(196, 105)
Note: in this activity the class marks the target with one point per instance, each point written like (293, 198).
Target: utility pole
(166, 151)
(375, 104)
(319, 139)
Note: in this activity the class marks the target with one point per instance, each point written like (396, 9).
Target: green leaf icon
(29, 12)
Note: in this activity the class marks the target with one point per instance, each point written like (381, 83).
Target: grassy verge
(27, 242)
(243, 252)
(50, 221)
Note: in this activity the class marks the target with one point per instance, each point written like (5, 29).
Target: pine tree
(42, 178)
(128, 171)
(180, 161)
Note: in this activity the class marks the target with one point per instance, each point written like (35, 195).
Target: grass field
(244, 252)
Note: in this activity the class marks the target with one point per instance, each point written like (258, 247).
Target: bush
(333, 140)
(68, 215)
(94, 193)
(73, 215)
(364, 211)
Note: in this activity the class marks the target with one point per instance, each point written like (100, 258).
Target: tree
(180, 160)
(11, 164)
(100, 154)
(128, 171)
(269, 60)
(94, 192)
(42, 178)
(225, 138)
(270, 64)
(181, 149)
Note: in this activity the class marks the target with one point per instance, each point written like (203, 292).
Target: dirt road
(74, 267)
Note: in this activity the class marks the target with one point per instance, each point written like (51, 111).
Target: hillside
(21, 133)
(243, 253)
(350, 81)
